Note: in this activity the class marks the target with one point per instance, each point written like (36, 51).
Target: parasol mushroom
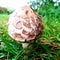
(25, 25)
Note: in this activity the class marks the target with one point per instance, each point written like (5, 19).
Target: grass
(47, 47)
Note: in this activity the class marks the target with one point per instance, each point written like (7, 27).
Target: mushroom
(25, 25)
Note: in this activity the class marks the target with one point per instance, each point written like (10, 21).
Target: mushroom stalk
(24, 45)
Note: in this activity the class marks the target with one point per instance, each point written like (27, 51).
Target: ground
(46, 48)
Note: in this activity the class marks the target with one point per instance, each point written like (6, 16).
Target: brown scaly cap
(25, 24)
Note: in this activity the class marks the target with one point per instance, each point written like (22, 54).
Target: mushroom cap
(24, 24)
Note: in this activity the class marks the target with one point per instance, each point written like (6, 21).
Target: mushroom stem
(24, 45)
